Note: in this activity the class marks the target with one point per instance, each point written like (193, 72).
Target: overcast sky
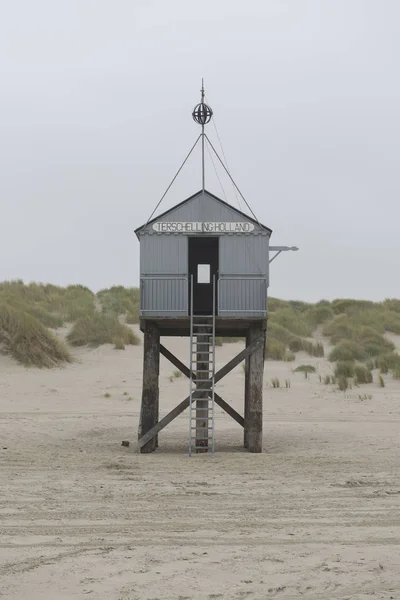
(95, 118)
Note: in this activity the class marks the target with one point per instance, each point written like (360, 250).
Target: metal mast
(203, 174)
(202, 114)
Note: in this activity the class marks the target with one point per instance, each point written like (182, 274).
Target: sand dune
(316, 515)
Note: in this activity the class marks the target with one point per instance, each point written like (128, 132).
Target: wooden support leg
(255, 392)
(202, 403)
(151, 366)
(246, 394)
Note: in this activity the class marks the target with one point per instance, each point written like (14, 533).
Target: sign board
(203, 227)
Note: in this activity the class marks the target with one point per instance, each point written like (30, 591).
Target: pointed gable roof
(225, 210)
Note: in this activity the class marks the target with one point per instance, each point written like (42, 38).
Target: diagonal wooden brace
(185, 403)
(220, 401)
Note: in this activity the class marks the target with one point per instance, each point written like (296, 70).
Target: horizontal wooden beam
(185, 403)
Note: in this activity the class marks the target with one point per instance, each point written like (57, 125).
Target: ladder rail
(191, 366)
(202, 354)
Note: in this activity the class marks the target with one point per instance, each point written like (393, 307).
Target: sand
(316, 515)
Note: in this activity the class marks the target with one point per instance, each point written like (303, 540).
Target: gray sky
(95, 106)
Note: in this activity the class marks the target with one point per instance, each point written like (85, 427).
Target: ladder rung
(203, 362)
(209, 428)
(204, 417)
(200, 418)
(200, 448)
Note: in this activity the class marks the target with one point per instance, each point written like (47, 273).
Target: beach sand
(317, 514)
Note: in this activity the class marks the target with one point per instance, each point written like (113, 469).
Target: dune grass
(355, 328)
(28, 341)
(280, 337)
(50, 304)
(118, 300)
(98, 329)
(362, 375)
(358, 334)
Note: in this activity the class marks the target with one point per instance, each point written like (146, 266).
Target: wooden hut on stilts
(204, 272)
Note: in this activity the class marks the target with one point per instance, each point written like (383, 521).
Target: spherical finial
(202, 113)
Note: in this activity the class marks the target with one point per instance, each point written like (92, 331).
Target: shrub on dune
(119, 300)
(97, 329)
(275, 350)
(347, 350)
(344, 369)
(318, 314)
(392, 304)
(294, 321)
(28, 341)
(362, 374)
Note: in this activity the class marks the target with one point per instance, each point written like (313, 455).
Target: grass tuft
(119, 344)
(275, 382)
(99, 329)
(118, 300)
(305, 369)
(344, 369)
(275, 350)
(29, 342)
(362, 374)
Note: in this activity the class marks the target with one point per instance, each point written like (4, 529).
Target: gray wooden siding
(163, 275)
(242, 297)
(243, 254)
(243, 275)
(164, 296)
(163, 254)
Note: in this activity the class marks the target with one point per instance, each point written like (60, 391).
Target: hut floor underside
(224, 327)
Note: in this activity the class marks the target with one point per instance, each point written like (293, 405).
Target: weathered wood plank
(246, 395)
(255, 397)
(151, 366)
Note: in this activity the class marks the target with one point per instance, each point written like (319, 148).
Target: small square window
(203, 274)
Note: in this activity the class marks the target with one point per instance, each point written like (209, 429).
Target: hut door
(203, 266)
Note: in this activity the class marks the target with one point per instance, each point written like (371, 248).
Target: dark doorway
(203, 267)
